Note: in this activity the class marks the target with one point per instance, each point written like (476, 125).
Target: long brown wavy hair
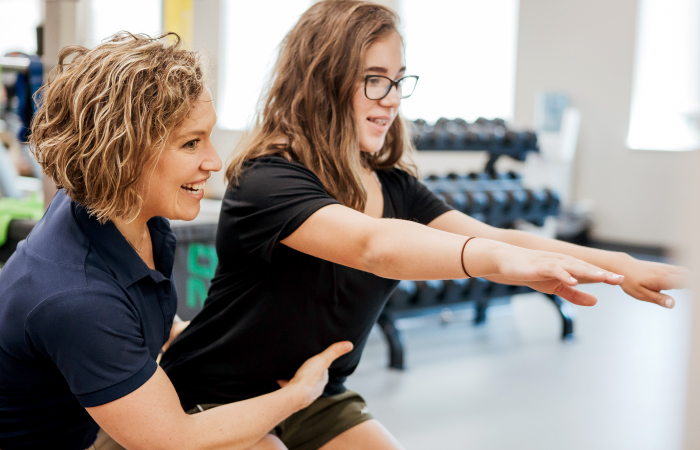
(106, 111)
(306, 112)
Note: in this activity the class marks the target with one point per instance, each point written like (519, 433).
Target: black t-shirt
(270, 307)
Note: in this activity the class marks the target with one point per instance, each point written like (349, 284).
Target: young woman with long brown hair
(324, 213)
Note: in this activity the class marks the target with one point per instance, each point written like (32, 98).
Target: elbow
(375, 254)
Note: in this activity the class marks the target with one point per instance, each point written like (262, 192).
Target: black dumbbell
(497, 208)
(534, 211)
(518, 201)
(552, 204)
(477, 205)
(433, 183)
(429, 293)
(455, 290)
(475, 289)
(436, 139)
(529, 140)
(496, 290)
(403, 296)
(479, 136)
(424, 139)
(457, 200)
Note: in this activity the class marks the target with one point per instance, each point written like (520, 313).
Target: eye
(191, 145)
(373, 81)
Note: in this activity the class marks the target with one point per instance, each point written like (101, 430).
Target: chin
(185, 215)
(375, 147)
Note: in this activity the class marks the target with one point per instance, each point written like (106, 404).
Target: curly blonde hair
(107, 111)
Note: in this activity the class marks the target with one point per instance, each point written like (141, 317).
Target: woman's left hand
(644, 280)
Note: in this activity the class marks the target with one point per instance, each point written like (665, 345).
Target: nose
(211, 162)
(392, 99)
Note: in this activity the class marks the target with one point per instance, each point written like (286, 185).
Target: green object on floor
(13, 209)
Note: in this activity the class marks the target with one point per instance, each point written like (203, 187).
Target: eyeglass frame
(392, 84)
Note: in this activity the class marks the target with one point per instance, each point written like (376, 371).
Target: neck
(134, 231)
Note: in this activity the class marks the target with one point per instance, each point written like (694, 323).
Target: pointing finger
(575, 296)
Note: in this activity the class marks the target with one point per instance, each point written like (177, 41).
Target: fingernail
(669, 303)
(574, 280)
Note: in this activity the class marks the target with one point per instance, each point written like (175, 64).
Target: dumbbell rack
(498, 199)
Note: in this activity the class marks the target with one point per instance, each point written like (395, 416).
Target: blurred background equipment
(21, 200)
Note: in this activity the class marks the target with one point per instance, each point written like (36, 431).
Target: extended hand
(312, 376)
(645, 280)
(553, 273)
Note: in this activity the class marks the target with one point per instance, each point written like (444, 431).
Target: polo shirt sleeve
(271, 200)
(94, 339)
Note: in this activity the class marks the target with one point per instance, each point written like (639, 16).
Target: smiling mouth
(196, 188)
(380, 122)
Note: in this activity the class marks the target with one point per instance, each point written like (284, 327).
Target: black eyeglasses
(377, 86)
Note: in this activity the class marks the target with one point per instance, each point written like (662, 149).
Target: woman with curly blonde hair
(324, 214)
(87, 301)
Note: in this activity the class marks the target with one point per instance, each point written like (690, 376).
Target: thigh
(322, 421)
(269, 442)
(369, 435)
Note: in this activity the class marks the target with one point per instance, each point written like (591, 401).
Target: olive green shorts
(317, 424)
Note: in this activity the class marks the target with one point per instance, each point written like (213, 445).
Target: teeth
(381, 122)
(194, 188)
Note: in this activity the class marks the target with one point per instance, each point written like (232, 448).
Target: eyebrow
(190, 134)
(383, 69)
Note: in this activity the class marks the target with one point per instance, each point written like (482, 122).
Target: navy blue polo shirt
(82, 320)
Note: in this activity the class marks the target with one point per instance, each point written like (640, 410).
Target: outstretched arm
(151, 416)
(643, 280)
(406, 250)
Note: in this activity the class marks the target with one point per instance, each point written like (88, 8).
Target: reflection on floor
(512, 384)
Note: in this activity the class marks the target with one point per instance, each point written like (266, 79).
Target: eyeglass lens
(377, 87)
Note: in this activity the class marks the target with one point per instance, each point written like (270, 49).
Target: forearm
(240, 425)
(612, 261)
(503, 280)
(405, 250)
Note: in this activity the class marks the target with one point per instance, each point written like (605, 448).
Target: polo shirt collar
(121, 258)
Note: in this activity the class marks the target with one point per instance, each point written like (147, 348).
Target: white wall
(586, 48)
(691, 257)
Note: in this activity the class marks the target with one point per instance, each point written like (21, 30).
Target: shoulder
(262, 177)
(275, 165)
(79, 313)
(99, 300)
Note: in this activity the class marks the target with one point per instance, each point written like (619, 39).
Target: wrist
(298, 396)
(481, 257)
(618, 261)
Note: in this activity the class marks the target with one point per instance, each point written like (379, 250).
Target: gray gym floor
(512, 384)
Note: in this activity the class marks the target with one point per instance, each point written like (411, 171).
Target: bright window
(465, 53)
(253, 32)
(666, 93)
(18, 28)
(135, 16)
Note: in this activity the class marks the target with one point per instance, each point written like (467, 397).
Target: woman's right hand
(312, 376)
(552, 273)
